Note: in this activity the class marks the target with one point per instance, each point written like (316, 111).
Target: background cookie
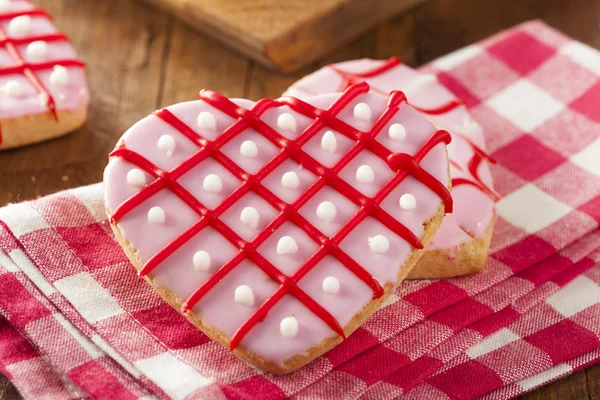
(461, 245)
(43, 90)
(281, 225)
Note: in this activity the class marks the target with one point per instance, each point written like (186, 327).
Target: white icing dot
(287, 245)
(13, 89)
(244, 295)
(250, 217)
(156, 215)
(289, 327)
(59, 76)
(365, 174)
(166, 143)
(136, 177)
(290, 180)
(5, 5)
(19, 26)
(201, 261)
(331, 285)
(328, 142)
(212, 183)
(326, 211)
(287, 122)
(249, 149)
(37, 50)
(397, 132)
(207, 121)
(44, 97)
(379, 244)
(408, 201)
(362, 111)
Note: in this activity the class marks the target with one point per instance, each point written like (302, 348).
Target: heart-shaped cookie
(278, 227)
(461, 244)
(43, 90)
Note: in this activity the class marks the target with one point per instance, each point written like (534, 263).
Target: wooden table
(140, 60)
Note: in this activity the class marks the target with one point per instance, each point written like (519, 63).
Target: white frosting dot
(44, 98)
(207, 121)
(365, 174)
(326, 211)
(249, 149)
(397, 132)
(37, 50)
(287, 122)
(59, 76)
(362, 111)
(136, 177)
(166, 143)
(379, 244)
(244, 295)
(408, 201)
(5, 5)
(13, 89)
(331, 285)
(19, 26)
(250, 217)
(201, 261)
(212, 183)
(290, 180)
(287, 245)
(289, 327)
(156, 215)
(329, 142)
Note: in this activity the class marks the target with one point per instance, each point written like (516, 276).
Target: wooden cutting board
(284, 34)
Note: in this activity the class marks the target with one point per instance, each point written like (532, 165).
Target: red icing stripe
(403, 164)
(28, 69)
(479, 156)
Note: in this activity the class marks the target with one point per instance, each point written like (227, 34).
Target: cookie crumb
(65, 178)
(33, 179)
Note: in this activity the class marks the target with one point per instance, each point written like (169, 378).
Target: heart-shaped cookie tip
(281, 252)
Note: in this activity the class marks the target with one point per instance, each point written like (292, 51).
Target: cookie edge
(31, 129)
(470, 258)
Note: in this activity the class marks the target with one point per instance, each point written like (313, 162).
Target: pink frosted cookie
(461, 245)
(43, 90)
(278, 227)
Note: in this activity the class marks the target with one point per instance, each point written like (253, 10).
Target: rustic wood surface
(284, 35)
(141, 59)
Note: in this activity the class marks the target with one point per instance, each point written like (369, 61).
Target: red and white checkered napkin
(76, 320)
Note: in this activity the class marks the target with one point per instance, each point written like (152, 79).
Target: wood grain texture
(140, 59)
(285, 35)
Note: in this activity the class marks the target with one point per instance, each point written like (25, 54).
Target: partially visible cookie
(43, 89)
(278, 227)
(462, 243)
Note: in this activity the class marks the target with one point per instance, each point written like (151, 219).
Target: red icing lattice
(28, 69)
(402, 164)
(351, 78)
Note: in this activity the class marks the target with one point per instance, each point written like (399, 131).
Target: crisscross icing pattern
(29, 69)
(402, 164)
(479, 155)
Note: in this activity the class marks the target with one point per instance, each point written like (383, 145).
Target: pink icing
(218, 307)
(473, 209)
(70, 96)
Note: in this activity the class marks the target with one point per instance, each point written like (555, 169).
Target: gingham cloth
(76, 320)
